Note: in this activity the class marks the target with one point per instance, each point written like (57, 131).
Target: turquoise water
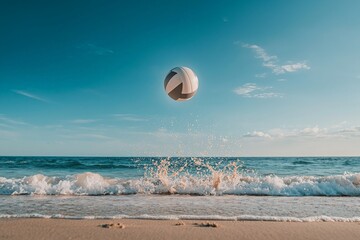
(283, 189)
(133, 167)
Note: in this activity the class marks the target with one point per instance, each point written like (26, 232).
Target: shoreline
(241, 218)
(37, 228)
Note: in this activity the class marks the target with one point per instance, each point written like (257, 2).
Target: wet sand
(137, 229)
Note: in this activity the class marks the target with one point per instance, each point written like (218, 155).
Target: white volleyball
(181, 83)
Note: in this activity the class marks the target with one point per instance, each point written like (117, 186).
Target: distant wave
(302, 162)
(161, 182)
(195, 217)
(66, 164)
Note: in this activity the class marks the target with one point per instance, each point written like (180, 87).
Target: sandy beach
(173, 229)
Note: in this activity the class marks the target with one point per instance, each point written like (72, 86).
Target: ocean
(243, 188)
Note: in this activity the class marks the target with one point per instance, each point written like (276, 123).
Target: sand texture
(171, 229)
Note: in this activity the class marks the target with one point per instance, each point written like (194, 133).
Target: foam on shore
(217, 183)
(195, 217)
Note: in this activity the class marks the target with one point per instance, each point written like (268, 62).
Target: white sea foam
(195, 217)
(161, 182)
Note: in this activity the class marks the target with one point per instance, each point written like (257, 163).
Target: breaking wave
(160, 178)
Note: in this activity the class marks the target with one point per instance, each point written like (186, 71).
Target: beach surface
(27, 228)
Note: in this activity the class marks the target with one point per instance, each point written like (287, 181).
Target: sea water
(273, 189)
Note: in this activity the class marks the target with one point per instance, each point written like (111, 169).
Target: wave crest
(162, 182)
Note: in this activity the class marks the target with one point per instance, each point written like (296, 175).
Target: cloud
(9, 127)
(88, 136)
(251, 90)
(281, 80)
(353, 131)
(312, 131)
(307, 132)
(262, 54)
(96, 50)
(129, 117)
(54, 126)
(246, 89)
(3, 125)
(294, 67)
(271, 61)
(11, 121)
(257, 134)
(260, 75)
(306, 141)
(224, 139)
(6, 134)
(267, 95)
(83, 121)
(30, 95)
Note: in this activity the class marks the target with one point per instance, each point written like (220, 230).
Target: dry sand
(48, 229)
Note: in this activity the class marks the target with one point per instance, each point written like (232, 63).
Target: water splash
(194, 176)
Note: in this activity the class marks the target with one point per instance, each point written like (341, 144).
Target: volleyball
(181, 83)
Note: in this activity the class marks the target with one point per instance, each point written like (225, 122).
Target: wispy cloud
(11, 121)
(246, 89)
(312, 131)
(272, 62)
(260, 75)
(353, 131)
(9, 127)
(129, 117)
(258, 134)
(54, 126)
(267, 95)
(3, 125)
(96, 50)
(5, 134)
(308, 132)
(88, 136)
(30, 95)
(83, 121)
(251, 90)
(292, 67)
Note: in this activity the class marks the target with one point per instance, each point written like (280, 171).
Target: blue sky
(276, 78)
